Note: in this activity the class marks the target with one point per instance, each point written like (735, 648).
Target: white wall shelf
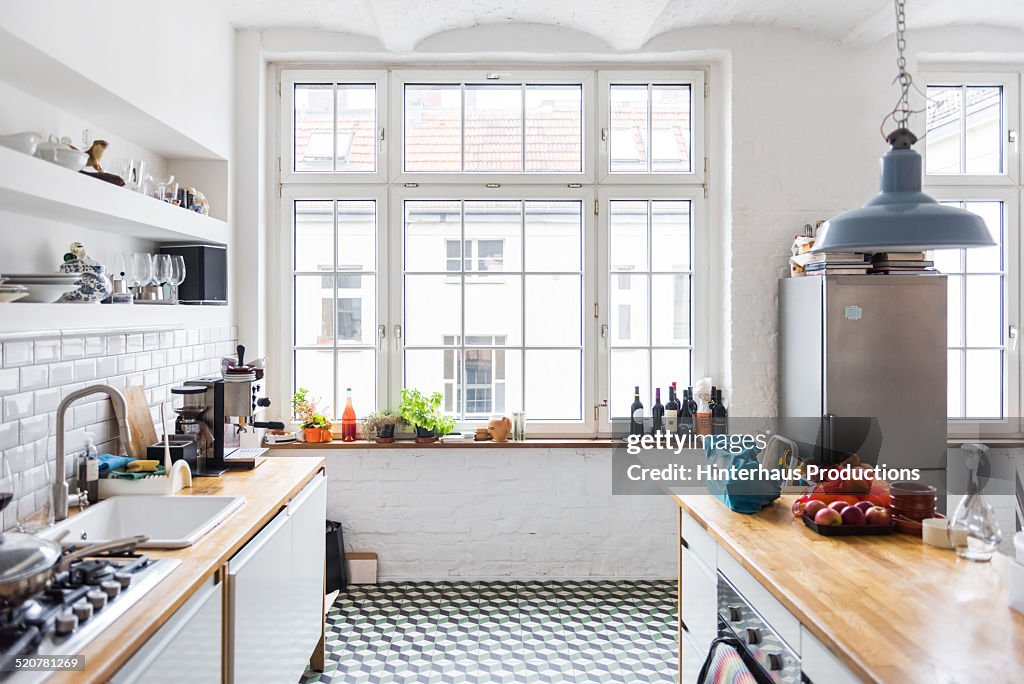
(38, 188)
(15, 317)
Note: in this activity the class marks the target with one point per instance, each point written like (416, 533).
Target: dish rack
(176, 477)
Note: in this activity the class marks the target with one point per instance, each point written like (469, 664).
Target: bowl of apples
(842, 519)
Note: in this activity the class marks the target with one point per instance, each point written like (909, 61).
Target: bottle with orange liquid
(348, 419)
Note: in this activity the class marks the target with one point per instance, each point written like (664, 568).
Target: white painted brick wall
(39, 369)
(497, 513)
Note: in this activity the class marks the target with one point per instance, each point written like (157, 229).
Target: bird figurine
(95, 152)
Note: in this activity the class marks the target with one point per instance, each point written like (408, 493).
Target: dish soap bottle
(974, 516)
(89, 470)
(348, 419)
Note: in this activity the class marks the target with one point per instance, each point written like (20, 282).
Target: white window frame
(1011, 122)
(696, 80)
(289, 79)
(700, 339)
(399, 79)
(587, 424)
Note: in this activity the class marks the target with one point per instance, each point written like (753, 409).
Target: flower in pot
(380, 427)
(424, 414)
(315, 426)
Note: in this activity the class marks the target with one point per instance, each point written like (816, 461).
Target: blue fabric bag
(742, 496)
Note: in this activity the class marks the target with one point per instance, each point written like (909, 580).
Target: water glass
(141, 270)
(518, 425)
(177, 273)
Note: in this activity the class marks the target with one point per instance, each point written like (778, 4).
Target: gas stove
(77, 606)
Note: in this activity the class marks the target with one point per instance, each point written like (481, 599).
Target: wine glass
(141, 271)
(34, 508)
(6, 484)
(161, 270)
(177, 273)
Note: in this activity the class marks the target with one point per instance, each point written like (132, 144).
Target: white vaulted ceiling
(623, 24)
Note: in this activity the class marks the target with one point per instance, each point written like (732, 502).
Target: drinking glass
(177, 273)
(35, 499)
(7, 490)
(161, 270)
(141, 267)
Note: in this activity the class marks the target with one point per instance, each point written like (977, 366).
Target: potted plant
(315, 426)
(380, 427)
(424, 414)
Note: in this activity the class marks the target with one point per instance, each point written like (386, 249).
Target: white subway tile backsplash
(135, 343)
(180, 338)
(143, 361)
(47, 400)
(62, 373)
(34, 428)
(126, 364)
(166, 375)
(17, 353)
(85, 415)
(85, 370)
(95, 345)
(173, 357)
(158, 359)
(193, 337)
(18, 406)
(151, 340)
(8, 435)
(10, 381)
(106, 366)
(47, 351)
(116, 344)
(72, 348)
(34, 377)
(166, 339)
(151, 378)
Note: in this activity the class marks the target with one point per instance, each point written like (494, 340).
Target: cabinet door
(186, 649)
(699, 596)
(819, 665)
(259, 597)
(308, 511)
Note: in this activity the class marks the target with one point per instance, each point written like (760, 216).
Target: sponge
(142, 466)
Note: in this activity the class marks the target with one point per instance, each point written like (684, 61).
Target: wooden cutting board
(140, 422)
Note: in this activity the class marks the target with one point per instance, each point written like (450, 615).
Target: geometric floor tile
(542, 632)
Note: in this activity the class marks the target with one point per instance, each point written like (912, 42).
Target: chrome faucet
(60, 485)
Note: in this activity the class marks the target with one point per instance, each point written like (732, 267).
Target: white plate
(11, 296)
(45, 294)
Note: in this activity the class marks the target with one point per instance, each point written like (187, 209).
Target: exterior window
(650, 128)
(965, 130)
(335, 128)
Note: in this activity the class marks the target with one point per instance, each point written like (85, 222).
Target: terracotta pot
(313, 435)
(326, 435)
(499, 428)
(425, 436)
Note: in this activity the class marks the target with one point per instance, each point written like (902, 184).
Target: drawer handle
(683, 626)
(682, 542)
(735, 615)
(774, 662)
(753, 637)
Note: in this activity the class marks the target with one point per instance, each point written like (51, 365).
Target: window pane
(987, 259)
(670, 302)
(627, 248)
(435, 370)
(356, 319)
(984, 384)
(433, 128)
(494, 306)
(494, 128)
(356, 369)
(670, 138)
(312, 148)
(554, 129)
(357, 235)
(670, 239)
(628, 320)
(314, 306)
(553, 235)
(943, 135)
(955, 311)
(433, 309)
(314, 235)
(984, 304)
(553, 382)
(628, 368)
(948, 260)
(356, 149)
(553, 308)
(493, 231)
(429, 226)
(628, 123)
(955, 383)
(668, 366)
(984, 129)
(314, 370)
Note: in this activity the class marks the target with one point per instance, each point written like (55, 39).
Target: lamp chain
(902, 110)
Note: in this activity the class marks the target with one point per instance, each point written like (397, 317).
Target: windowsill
(469, 444)
(992, 443)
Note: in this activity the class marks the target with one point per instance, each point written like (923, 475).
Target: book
(898, 256)
(910, 265)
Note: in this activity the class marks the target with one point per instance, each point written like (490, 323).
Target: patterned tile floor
(502, 632)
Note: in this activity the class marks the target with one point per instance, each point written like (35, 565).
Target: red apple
(813, 506)
(838, 506)
(828, 516)
(877, 515)
(864, 506)
(852, 515)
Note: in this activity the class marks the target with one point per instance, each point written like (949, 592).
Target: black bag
(336, 571)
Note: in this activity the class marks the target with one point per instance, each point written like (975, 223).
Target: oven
(747, 649)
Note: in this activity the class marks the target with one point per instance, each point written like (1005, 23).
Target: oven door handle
(756, 671)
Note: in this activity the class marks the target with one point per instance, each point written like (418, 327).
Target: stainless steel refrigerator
(862, 367)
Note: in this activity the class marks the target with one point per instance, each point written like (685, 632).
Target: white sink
(170, 522)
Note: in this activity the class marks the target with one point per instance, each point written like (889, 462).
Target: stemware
(177, 273)
(162, 272)
(141, 271)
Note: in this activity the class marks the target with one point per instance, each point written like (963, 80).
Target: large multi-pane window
(512, 241)
(971, 162)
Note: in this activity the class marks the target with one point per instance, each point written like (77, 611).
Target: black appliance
(206, 273)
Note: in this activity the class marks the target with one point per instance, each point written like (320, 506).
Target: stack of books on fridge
(836, 263)
(899, 263)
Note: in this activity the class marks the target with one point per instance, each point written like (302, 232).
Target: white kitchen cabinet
(188, 646)
(274, 616)
(698, 595)
(818, 663)
(691, 661)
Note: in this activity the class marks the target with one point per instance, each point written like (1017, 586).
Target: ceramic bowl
(12, 293)
(61, 154)
(21, 142)
(44, 293)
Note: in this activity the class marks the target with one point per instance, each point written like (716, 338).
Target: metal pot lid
(188, 389)
(25, 555)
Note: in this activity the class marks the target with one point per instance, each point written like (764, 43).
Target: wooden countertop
(891, 608)
(265, 489)
(538, 443)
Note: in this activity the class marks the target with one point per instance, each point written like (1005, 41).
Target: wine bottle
(348, 419)
(711, 400)
(672, 411)
(719, 417)
(693, 403)
(636, 414)
(685, 415)
(657, 413)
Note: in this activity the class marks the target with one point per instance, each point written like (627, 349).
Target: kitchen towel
(110, 462)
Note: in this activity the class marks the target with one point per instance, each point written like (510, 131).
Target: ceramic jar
(94, 286)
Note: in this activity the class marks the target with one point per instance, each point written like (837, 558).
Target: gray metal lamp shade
(901, 218)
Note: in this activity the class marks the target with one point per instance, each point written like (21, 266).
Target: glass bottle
(348, 419)
(974, 518)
